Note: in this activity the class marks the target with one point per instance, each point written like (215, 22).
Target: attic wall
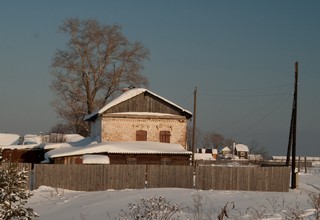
(124, 129)
(145, 103)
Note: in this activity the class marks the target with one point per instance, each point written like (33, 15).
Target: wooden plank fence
(90, 177)
(102, 177)
(243, 178)
(169, 176)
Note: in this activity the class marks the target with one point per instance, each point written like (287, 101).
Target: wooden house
(226, 150)
(20, 154)
(140, 115)
(241, 151)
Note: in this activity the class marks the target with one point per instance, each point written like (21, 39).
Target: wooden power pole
(293, 131)
(194, 125)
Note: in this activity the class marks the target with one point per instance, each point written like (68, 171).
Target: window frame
(164, 136)
(141, 135)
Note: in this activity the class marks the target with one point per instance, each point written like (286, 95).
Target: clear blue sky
(240, 54)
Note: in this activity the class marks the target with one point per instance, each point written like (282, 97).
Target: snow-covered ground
(51, 203)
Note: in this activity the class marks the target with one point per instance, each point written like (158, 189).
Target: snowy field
(52, 204)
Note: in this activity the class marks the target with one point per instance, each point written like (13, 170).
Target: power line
(253, 92)
(247, 89)
(263, 118)
(249, 114)
(248, 95)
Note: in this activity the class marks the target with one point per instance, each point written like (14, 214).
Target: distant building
(226, 150)
(241, 151)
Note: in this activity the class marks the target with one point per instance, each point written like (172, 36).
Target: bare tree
(198, 137)
(229, 142)
(255, 148)
(213, 140)
(97, 63)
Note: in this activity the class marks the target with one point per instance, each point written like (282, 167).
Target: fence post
(31, 180)
(305, 164)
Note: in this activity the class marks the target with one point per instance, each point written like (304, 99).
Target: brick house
(140, 115)
(138, 127)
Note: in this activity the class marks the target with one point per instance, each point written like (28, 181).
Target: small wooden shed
(241, 151)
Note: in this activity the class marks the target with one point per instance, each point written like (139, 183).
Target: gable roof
(136, 147)
(242, 147)
(9, 139)
(128, 95)
(225, 149)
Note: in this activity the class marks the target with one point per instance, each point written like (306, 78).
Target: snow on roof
(95, 159)
(136, 147)
(226, 149)
(242, 147)
(73, 137)
(202, 156)
(32, 139)
(9, 139)
(81, 143)
(19, 147)
(144, 114)
(128, 95)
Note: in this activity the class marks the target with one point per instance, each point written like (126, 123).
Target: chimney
(125, 89)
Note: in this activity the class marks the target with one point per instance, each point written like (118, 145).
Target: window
(165, 136)
(141, 135)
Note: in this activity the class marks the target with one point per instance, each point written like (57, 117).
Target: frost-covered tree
(155, 208)
(13, 194)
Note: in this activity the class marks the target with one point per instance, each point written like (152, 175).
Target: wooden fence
(169, 176)
(243, 178)
(90, 177)
(102, 177)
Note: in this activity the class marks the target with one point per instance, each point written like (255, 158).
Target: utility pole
(194, 125)
(293, 131)
(295, 98)
(290, 139)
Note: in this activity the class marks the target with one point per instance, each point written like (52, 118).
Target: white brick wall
(124, 129)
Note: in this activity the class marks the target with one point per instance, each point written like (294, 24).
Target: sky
(239, 54)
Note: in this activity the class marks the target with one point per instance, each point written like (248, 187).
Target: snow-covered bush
(154, 208)
(315, 203)
(13, 194)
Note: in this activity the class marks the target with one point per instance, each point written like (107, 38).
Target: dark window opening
(141, 135)
(165, 136)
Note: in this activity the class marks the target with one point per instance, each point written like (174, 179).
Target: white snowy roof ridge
(127, 95)
(242, 147)
(136, 147)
